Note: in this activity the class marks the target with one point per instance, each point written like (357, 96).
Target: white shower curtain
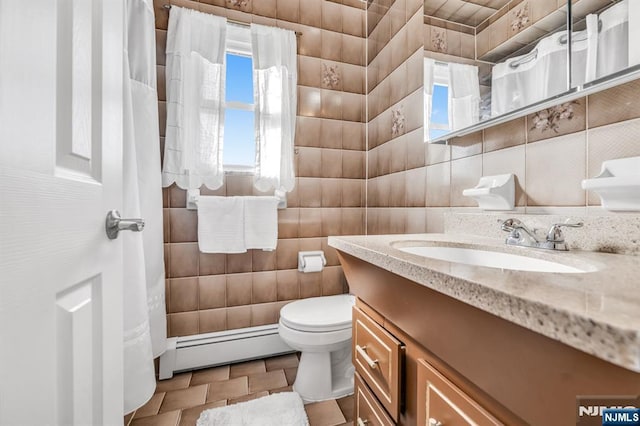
(464, 95)
(195, 75)
(275, 96)
(542, 73)
(512, 83)
(143, 272)
(429, 71)
(613, 40)
(634, 33)
(592, 48)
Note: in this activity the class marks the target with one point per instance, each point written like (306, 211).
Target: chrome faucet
(521, 235)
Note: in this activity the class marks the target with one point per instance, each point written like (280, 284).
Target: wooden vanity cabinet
(476, 363)
(397, 382)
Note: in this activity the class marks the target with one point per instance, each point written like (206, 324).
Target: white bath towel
(221, 225)
(261, 222)
(279, 409)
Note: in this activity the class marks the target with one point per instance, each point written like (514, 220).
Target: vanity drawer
(377, 357)
(369, 412)
(440, 402)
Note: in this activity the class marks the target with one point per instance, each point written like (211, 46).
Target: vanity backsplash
(619, 233)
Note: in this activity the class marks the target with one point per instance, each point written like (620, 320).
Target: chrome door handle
(114, 224)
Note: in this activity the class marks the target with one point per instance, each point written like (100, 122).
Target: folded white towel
(221, 224)
(261, 222)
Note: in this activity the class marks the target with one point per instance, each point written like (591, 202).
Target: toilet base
(313, 384)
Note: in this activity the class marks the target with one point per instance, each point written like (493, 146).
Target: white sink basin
(492, 259)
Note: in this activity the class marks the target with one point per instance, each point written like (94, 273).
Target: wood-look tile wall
(215, 292)
(411, 185)
(396, 151)
(549, 161)
(359, 144)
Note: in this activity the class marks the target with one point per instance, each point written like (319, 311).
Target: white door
(60, 172)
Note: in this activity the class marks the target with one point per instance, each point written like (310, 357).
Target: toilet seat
(318, 314)
(320, 328)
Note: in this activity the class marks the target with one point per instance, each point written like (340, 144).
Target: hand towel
(261, 222)
(221, 224)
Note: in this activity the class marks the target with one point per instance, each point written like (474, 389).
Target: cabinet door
(377, 357)
(441, 403)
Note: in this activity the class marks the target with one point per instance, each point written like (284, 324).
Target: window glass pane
(440, 105)
(239, 79)
(436, 133)
(239, 138)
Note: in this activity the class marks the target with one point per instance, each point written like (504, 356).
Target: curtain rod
(233, 21)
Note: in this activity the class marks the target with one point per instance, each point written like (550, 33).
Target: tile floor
(180, 400)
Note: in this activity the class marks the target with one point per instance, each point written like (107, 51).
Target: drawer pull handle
(434, 422)
(362, 350)
(362, 422)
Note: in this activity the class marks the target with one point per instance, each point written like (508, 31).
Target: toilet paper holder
(304, 255)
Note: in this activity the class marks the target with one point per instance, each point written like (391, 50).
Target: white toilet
(320, 328)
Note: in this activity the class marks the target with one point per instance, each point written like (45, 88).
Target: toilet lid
(319, 314)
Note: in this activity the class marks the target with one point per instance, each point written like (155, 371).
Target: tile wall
(215, 292)
(409, 189)
(396, 151)
(359, 143)
(519, 23)
(551, 151)
(445, 37)
(448, 41)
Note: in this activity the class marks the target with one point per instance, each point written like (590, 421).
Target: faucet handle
(510, 225)
(555, 232)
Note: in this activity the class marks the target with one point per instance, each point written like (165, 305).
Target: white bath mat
(279, 409)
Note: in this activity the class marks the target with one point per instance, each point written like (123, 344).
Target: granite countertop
(596, 312)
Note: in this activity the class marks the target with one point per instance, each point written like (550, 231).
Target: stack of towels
(235, 224)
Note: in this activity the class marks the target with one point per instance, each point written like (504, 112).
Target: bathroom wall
(550, 152)
(214, 292)
(409, 185)
(520, 22)
(448, 41)
(396, 151)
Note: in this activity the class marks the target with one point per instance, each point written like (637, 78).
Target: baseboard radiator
(225, 347)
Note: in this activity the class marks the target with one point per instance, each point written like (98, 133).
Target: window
(239, 152)
(439, 112)
(239, 140)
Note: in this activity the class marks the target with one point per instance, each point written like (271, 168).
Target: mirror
(490, 61)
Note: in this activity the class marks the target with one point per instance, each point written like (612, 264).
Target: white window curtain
(275, 96)
(144, 313)
(464, 95)
(429, 71)
(195, 76)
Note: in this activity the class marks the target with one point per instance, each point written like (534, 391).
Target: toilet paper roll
(312, 264)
